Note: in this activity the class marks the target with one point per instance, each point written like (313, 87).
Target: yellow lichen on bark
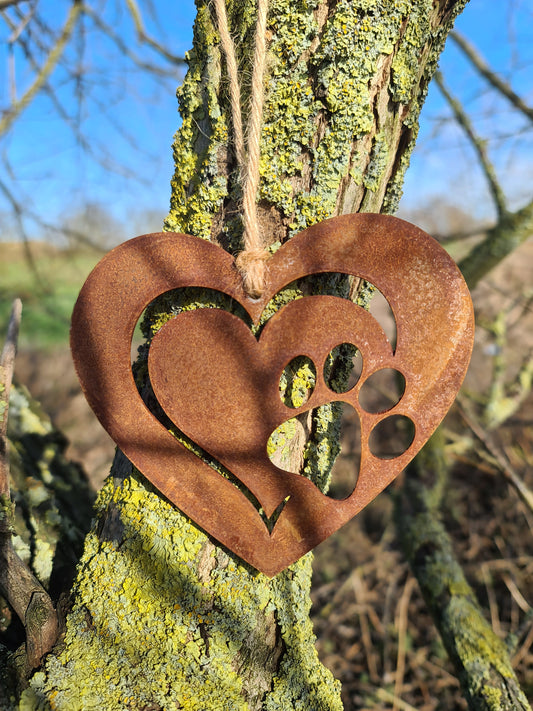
(163, 616)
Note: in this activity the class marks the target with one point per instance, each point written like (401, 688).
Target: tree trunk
(162, 617)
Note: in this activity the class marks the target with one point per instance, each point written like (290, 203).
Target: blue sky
(444, 162)
(53, 175)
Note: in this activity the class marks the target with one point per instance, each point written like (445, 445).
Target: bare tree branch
(491, 76)
(477, 143)
(124, 49)
(48, 90)
(509, 233)
(17, 30)
(141, 32)
(29, 600)
(501, 460)
(480, 657)
(4, 4)
(55, 54)
(77, 235)
(18, 211)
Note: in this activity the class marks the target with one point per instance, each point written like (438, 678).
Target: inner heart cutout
(220, 386)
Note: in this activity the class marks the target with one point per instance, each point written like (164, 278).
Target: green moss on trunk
(480, 657)
(50, 511)
(164, 617)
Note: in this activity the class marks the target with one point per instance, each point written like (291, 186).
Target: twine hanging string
(251, 261)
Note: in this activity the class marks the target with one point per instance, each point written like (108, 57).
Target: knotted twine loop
(251, 261)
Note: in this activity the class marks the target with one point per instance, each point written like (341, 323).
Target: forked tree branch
(126, 51)
(478, 145)
(509, 233)
(494, 80)
(144, 37)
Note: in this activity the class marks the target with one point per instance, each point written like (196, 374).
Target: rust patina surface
(220, 385)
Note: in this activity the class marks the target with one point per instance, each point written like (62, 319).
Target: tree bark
(162, 617)
(52, 503)
(480, 657)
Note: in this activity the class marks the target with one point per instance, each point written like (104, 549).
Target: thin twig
(19, 212)
(523, 490)
(477, 143)
(359, 593)
(387, 697)
(493, 604)
(494, 80)
(125, 50)
(7, 364)
(13, 37)
(515, 593)
(402, 631)
(460, 235)
(4, 4)
(144, 37)
(51, 93)
(526, 644)
(78, 236)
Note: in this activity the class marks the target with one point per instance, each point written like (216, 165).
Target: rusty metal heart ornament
(219, 385)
